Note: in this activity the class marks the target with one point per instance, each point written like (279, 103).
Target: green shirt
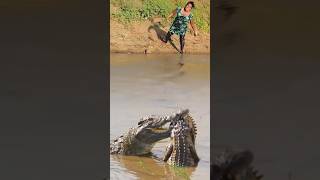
(180, 23)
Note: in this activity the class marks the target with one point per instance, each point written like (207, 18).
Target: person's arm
(194, 28)
(172, 14)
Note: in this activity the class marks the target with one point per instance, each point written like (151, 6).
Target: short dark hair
(190, 2)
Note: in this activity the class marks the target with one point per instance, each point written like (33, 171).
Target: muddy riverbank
(145, 37)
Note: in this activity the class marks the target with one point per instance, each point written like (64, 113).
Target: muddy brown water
(157, 84)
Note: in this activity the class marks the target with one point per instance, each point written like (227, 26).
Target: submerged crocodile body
(234, 166)
(140, 140)
(181, 150)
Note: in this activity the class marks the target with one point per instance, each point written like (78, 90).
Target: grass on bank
(127, 11)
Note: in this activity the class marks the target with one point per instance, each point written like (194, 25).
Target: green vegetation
(127, 11)
(143, 166)
(181, 171)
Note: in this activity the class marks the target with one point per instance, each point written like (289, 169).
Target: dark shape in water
(228, 7)
(234, 166)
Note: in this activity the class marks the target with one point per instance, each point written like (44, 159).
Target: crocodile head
(141, 139)
(153, 128)
(186, 126)
(235, 166)
(181, 150)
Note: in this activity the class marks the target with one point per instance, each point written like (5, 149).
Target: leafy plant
(137, 10)
(153, 8)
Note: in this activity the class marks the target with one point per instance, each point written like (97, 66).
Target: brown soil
(146, 37)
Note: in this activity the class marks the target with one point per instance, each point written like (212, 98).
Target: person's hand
(169, 17)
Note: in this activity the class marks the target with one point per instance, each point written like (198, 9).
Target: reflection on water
(159, 84)
(146, 168)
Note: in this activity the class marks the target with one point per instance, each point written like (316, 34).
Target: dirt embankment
(146, 37)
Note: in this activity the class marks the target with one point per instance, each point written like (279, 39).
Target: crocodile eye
(141, 122)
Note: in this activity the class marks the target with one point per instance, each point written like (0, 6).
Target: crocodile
(141, 139)
(181, 149)
(234, 166)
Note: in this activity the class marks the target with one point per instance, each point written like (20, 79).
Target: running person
(183, 16)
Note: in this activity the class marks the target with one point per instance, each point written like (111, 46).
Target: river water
(159, 84)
